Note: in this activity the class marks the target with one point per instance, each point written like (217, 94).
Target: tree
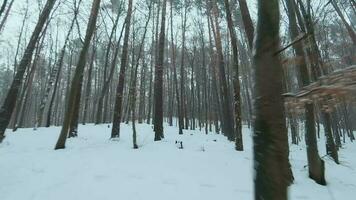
(227, 120)
(3, 6)
(247, 21)
(315, 163)
(183, 105)
(237, 98)
(107, 81)
(11, 97)
(270, 132)
(133, 90)
(175, 77)
(54, 76)
(72, 108)
(7, 12)
(348, 27)
(115, 132)
(158, 82)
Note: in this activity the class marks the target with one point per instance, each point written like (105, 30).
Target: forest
(177, 99)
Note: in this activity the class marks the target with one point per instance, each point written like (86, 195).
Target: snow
(93, 167)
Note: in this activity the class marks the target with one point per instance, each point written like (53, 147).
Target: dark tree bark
(158, 82)
(3, 6)
(133, 90)
(215, 92)
(57, 70)
(115, 132)
(149, 109)
(89, 82)
(10, 100)
(315, 164)
(346, 24)
(237, 98)
(107, 81)
(175, 77)
(247, 21)
(205, 78)
(72, 107)
(228, 123)
(7, 12)
(330, 144)
(142, 101)
(183, 105)
(270, 132)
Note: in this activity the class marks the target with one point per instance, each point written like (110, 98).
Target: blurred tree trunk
(247, 21)
(3, 6)
(7, 12)
(348, 27)
(270, 131)
(315, 163)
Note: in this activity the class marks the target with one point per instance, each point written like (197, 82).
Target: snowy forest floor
(92, 167)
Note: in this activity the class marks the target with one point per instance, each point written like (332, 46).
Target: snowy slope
(92, 167)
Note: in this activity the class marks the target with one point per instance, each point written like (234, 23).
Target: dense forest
(283, 69)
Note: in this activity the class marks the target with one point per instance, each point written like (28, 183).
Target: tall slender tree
(115, 132)
(133, 90)
(227, 121)
(175, 76)
(11, 97)
(72, 108)
(158, 82)
(237, 98)
(315, 163)
(247, 21)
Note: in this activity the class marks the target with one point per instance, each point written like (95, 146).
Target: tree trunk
(237, 98)
(183, 105)
(247, 21)
(105, 89)
(3, 21)
(175, 77)
(228, 123)
(158, 82)
(72, 107)
(10, 100)
(348, 27)
(55, 72)
(330, 144)
(107, 81)
(3, 6)
(270, 132)
(89, 82)
(315, 164)
(134, 81)
(115, 132)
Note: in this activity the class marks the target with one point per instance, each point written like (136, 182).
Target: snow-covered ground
(92, 167)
